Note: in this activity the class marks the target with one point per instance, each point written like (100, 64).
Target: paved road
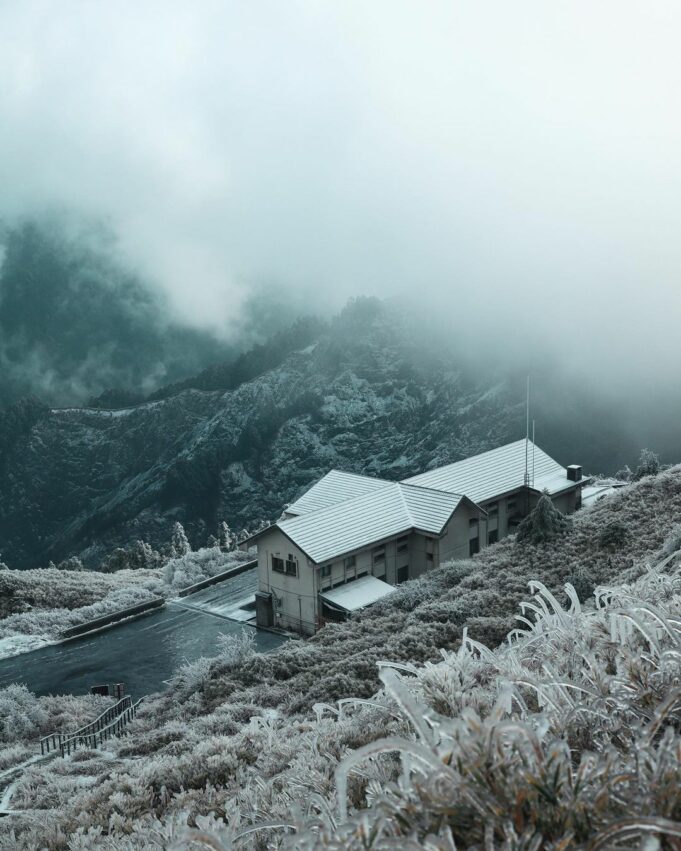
(142, 653)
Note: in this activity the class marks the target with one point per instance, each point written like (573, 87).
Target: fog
(515, 166)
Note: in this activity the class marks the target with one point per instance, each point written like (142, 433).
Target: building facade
(350, 539)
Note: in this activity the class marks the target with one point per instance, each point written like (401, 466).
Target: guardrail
(92, 738)
(219, 577)
(114, 617)
(54, 741)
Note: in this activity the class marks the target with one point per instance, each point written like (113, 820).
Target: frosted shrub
(192, 567)
(235, 649)
(613, 536)
(192, 677)
(672, 542)
(648, 465)
(20, 714)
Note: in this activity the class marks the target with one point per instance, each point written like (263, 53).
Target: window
(325, 571)
(278, 564)
(430, 558)
(291, 566)
(473, 523)
(510, 505)
(473, 546)
(402, 574)
(403, 544)
(350, 562)
(378, 555)
(430, 545)
(493, 537)
(493, 509)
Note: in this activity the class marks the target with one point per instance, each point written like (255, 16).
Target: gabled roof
(496, 472)
(335, 487)
(392, 510)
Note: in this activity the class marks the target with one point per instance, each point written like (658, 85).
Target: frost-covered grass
(390, 729)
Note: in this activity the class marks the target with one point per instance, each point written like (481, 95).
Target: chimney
(574, 473)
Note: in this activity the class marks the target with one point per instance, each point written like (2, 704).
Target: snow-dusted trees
(138, 556)
(179, 545)
(226, 538)
(543, 522)
(648, 465)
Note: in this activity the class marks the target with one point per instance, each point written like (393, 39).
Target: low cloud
(514, 166)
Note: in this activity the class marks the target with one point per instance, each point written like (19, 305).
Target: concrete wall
(455, 543)
(298, 594)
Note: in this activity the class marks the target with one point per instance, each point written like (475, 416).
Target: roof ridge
(336, 505)
(404, 503)
(408, 484)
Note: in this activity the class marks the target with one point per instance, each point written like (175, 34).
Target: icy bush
(544, 522)
(194, 566)
(20, 715)
(648, 465)
(558, 736)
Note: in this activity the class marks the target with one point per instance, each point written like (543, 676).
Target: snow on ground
(14, 645)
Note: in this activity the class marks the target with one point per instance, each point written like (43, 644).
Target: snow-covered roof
(496, 472)
(358, 594)
(391, 510)
(593, 493)
(335, 487)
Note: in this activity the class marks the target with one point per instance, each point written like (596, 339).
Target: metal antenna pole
(532, 453)
(527, 431)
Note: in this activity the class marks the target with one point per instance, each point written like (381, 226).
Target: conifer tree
(543, 522)
(179, 544)
(226, 538)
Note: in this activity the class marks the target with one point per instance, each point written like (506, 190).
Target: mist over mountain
(365, 392)
(74, 322)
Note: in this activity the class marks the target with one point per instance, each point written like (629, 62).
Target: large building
(349, 539)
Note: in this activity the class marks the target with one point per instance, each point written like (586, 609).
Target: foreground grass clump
(568, 736)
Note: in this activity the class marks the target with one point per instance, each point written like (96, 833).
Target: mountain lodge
(349, 539)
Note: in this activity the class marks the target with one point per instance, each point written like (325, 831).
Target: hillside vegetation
(566, 736)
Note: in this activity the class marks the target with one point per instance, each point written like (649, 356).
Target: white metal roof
(335, 487)
(496, 472)
(358, 594)
(391, 510)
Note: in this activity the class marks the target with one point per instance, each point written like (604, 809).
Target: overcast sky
(515, 164)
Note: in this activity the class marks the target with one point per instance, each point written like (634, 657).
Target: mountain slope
(364, 397)
(74, 322)
(249, 740)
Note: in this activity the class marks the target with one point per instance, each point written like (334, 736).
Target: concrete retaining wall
(219, 577)
(114, 617)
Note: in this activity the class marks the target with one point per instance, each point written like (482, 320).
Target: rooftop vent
(574, 473)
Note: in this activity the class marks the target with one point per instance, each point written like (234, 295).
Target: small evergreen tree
(226, 538)
(542, 523)
(179, 545)
(648, 465)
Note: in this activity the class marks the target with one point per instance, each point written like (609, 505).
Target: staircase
(111, 722)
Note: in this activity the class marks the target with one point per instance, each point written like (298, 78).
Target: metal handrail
(95, 737)
(53, 741)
